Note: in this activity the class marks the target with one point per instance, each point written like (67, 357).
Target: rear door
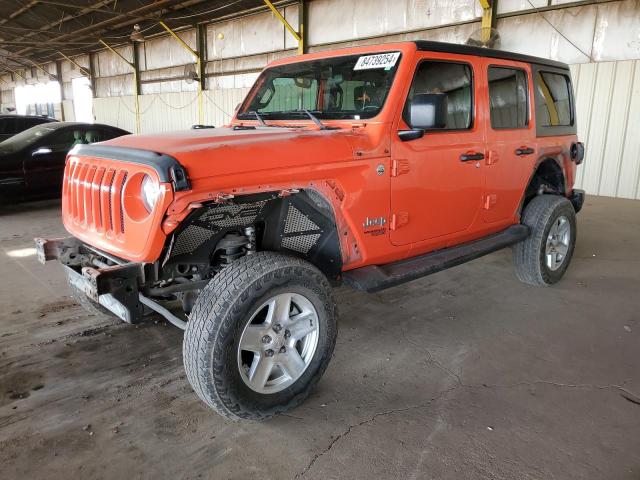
(511, 140)
(437, 181)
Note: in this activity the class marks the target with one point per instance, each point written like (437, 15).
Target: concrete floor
(465, 374)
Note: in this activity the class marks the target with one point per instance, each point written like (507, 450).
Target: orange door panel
(437, 181)
(511, 140)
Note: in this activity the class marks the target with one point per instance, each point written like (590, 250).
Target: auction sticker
(381, 60)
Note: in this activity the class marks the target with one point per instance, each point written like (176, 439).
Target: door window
(553, 107)
(63, 140)
(94, 135)
(508, 98)
(453, 79)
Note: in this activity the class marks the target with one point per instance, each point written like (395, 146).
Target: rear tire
(544, 256)
(265, 307)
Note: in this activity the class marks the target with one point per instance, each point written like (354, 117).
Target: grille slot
(124, 179)
(94, 196)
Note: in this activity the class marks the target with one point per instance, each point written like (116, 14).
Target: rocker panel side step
(374, 278)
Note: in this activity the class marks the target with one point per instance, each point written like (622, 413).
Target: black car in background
(32, 162)
(12, 124)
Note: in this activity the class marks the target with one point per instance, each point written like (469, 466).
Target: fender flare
(556, 160)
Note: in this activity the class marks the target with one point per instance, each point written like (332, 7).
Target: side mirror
(428, 110)
(41, 151)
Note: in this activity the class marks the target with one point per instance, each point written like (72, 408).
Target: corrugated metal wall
(604, 67)
(169, 111)
(608, 110)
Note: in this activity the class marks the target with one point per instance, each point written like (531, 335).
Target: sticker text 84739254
(381, 60)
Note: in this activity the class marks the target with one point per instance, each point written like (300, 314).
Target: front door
(44, 165)
(437, 181)
(511, 139)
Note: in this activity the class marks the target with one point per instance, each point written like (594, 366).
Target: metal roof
(34, 30)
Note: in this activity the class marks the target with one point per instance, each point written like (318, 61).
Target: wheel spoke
(279, 309)
(562, 249)
(302, 325)
(252, 338)
(292, 363)
(260, 371)
(563, 228)
(551, 260)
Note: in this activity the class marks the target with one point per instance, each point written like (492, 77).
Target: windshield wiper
(259, 118)
(315, 119)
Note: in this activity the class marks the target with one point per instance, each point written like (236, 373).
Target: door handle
(468, 157)
(524, 151)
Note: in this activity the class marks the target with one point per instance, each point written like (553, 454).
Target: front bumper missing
(115, 287)
(124, 308)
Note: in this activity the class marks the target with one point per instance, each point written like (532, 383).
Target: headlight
(150, 192)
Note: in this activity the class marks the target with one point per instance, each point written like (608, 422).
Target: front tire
(544, 256)
(260, 336)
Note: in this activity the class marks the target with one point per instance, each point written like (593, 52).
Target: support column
(201, 41)
(92, 74)
(136, 83)
(303, 13)
(60, 84)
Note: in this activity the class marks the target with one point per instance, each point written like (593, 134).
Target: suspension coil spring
(250, 233)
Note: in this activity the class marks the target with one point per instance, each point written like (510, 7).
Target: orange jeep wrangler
(371, 166)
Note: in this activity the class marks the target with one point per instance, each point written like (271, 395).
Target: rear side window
(553, 105)
(508, 98)
(453, 79)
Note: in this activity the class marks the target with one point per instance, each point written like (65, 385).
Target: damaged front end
(113, 283)
(210, 239)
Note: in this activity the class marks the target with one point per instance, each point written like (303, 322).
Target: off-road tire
(85, 302)
(529, 254)
(217, 321)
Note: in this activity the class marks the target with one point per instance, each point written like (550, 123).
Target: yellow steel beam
(41, 68)
(180, 41)
(135, 82)
(14, 71)
(297, 35)
(487, 18)
(554, 118)
(80, 67)
(198, 65)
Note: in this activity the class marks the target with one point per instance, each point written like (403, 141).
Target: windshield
(350, 87)
(27, 137)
